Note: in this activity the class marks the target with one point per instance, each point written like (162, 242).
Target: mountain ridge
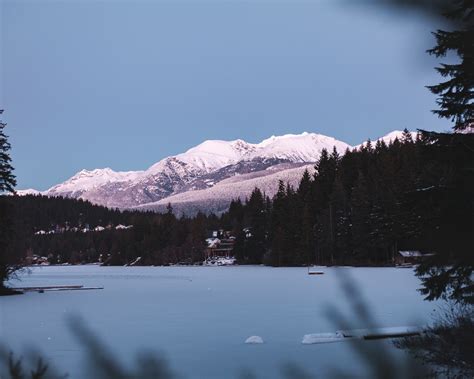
(184, 178)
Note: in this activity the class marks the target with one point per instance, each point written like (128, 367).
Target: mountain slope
(85, 181)
(217, 198)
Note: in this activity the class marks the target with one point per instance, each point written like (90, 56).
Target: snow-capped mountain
(305, 147)
(217, 198)
(85, 181)
(207, 176)
(209, 155)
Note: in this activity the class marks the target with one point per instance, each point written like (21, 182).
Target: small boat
(315, 272)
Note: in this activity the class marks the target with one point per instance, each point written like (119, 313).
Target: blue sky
(122, 84)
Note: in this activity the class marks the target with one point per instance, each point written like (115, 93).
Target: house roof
(213, 242)
(413, 253)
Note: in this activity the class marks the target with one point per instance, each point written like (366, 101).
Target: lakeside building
(410, 257)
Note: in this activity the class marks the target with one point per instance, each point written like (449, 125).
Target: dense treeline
(357, 208)
(70, 237)
(365, 206)
(348, 212)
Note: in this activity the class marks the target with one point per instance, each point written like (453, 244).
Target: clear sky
(122, 84)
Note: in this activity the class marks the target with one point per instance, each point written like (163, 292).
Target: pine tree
(255, 247)
(406, 136)
(7, 179)
(325, 173)
(9, 261)
(444, 211)
(279, 241)
(456, 95)
(304, 187)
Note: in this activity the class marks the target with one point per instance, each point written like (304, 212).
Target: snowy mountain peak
(305, 147)
(388, 138)
(88, 179)
(96, 172)
(219, 152)
(274, 139)
(218, 164)
(206, 157)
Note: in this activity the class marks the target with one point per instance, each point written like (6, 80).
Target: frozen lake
(199, 317)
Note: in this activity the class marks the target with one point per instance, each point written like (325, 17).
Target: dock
(363, 334)
(42, 289)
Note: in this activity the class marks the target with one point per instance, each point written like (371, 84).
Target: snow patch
(254, 340)
(316, 338)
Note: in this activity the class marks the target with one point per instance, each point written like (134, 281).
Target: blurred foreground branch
(448, 346)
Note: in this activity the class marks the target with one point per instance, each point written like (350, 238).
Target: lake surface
(199, 317)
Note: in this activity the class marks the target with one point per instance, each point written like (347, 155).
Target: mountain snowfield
(216, 199)
(206, 177)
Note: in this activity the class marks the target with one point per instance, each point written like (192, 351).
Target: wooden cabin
(410, 257)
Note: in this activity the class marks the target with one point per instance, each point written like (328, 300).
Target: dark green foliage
(9, 261)
(7, 179)
(444, 211)
(249, 227)
(157, 238)
(10, 241)
(456, 94)
(256, 221)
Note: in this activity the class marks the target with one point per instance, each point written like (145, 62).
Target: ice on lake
(197, 317)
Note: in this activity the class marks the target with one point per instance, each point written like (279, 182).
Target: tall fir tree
(7, 178)
(9, 261)
(456, 94)
(256, 243)
(278, 237)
